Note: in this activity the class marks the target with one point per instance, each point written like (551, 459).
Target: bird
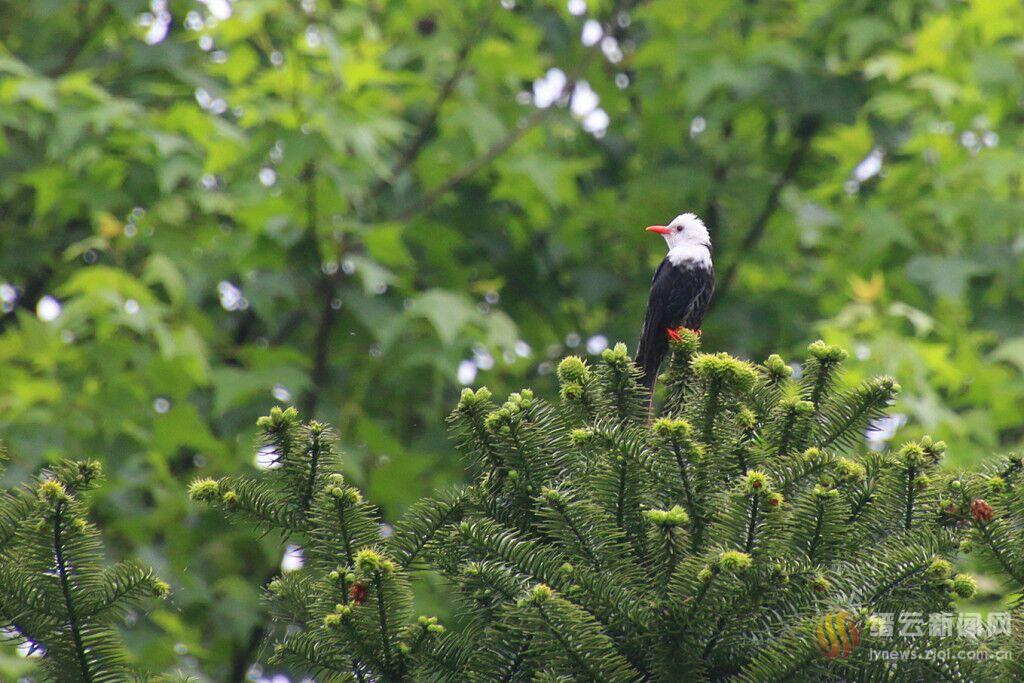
(680, 291)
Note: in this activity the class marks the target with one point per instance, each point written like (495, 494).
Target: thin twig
(415, 146)
(432, 197)
(327, 284)
(326, 291)
(427, 201)
(771, 204)
(81, 42)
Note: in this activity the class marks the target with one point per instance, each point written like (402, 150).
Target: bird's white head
(686, 231)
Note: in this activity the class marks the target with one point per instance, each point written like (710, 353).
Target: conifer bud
(826, 353)
(369, 561)
(911, 455)
(571, 391)
(874, 624)
(472, 399)
(824, 492)
(582, 437)
(161, 589)
(888, 385)
(965, 586)
(775, 500)
(89, 470)
(430, 625)
(278, 419)
(820, 584)
(996, 484)
(669, 428)
(849, 470)
(230, 499)
(756, 482)
(573, 370)
(52, 492)
(939, 570)
(777, 368)
(552, 496)
(541, 593)
(498, 420)
(933, 450)
(616, 356)
(684, 341)
(345, 494)
(734, 374)
(734, 561)
(673, 517)
(518, 402)
(204, 490)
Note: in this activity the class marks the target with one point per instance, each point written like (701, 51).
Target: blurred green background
(209, 208)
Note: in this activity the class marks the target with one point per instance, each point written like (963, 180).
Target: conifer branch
(63, 572)
(589, 534)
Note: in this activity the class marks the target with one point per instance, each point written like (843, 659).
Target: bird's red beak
(660, 229)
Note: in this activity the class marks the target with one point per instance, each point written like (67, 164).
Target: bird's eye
(679, 228)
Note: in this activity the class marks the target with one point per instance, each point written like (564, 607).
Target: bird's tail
(649, 363)
(651, 374)
(649, 355)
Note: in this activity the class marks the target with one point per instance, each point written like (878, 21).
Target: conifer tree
(57, 598)
(741, 533)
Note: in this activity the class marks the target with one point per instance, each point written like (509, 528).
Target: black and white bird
(680, 291)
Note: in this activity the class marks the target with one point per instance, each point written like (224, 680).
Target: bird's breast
(690, 257)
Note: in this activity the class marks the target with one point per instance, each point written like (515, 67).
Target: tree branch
(432, 197)
(427, 201)
(65, 586)
(81, 42)
(326, 286)
(771, 204)
(416, 144)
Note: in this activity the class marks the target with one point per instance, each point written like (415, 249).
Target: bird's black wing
(679, 296)
(654, 313)
(693, 316)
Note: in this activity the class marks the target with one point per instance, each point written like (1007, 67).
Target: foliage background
(209, 207)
